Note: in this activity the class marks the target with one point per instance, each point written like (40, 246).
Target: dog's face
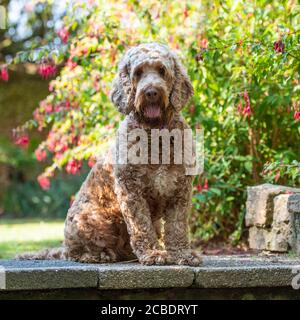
(152, 83)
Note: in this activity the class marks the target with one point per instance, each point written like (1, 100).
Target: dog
(121, 208)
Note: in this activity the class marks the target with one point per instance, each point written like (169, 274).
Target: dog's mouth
(152, 111)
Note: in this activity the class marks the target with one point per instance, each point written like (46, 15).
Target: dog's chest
(164, 181)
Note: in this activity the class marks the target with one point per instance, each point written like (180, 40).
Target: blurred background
(57, 60)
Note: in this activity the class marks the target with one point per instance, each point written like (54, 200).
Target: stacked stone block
(273, 218)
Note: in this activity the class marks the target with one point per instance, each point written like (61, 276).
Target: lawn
(28, 235)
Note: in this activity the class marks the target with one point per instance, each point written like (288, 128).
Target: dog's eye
(162, 71)
(138, 73)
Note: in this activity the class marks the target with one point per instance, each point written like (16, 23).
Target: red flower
(67, 104)
(297, 115)
(205, 187)
(4, 73)
(247, 109)
(22, 140)
(279, 46)
(185, 12)
(44, 182)
(199, 187)
(40, 154)
(73, 166)
(63, 33)
(47, 70)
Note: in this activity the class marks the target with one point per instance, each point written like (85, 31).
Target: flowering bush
(243, 59)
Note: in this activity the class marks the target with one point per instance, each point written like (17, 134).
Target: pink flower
(205, 187)
(63, 33)
(204, 43)
(247, 109)
(297, 115)
(71, 64)
(47, 70)
(73, 166)
(22, 141)
(67, 104)
(40, 154)
(44, 182)
(4, 73)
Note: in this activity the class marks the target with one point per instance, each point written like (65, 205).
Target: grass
(22, 235)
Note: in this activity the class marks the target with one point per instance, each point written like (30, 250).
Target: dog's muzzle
(153, 103)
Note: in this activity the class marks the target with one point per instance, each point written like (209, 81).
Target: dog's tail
(46, 254)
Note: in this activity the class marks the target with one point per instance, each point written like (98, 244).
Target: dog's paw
(155, 257)
(187, 257)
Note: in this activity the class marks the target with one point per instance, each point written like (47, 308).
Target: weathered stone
(135, 276)
(54, 274)
(294, 209)
(294, 203)
(258, 238)
(216, 272)
(281, 212)
(260, 204)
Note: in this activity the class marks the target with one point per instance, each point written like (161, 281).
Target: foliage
(243, 59)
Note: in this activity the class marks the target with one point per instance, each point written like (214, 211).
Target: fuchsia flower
(63, 33)
(4, 73)
(44, 182)
(22, 140)
(73, 166)
(205, 187)
(199, 187)
(47, 70)
(297, 115)
(247, 109)
(40, 154)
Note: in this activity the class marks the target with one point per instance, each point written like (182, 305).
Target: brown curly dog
(119, 211)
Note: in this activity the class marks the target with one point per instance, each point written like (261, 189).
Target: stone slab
(216, 272)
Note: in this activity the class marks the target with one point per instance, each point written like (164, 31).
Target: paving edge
(216, 272)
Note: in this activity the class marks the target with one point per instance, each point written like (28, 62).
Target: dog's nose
(151, 94)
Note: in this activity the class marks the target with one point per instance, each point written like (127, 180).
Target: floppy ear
(122, 93)
(182, 88)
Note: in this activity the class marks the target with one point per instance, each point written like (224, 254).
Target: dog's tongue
(152, 112)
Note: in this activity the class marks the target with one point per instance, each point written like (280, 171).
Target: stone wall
(273, 218)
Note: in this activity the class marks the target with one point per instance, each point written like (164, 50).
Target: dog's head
(151, 82)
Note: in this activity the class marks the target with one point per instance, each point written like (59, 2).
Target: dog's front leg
(137, 216)
(176, 231)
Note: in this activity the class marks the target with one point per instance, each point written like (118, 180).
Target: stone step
(244, 271)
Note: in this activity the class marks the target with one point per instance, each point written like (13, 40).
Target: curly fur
(117, 214)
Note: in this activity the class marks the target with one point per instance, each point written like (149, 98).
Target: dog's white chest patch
(164, 181)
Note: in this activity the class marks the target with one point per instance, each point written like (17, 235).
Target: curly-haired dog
(118, 211)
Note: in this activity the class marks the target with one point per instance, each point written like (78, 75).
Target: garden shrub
(243, 59)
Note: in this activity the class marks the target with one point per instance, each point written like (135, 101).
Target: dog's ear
(182, 88)
(122, 93)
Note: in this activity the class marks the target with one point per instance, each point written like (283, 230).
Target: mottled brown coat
(121, 209)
